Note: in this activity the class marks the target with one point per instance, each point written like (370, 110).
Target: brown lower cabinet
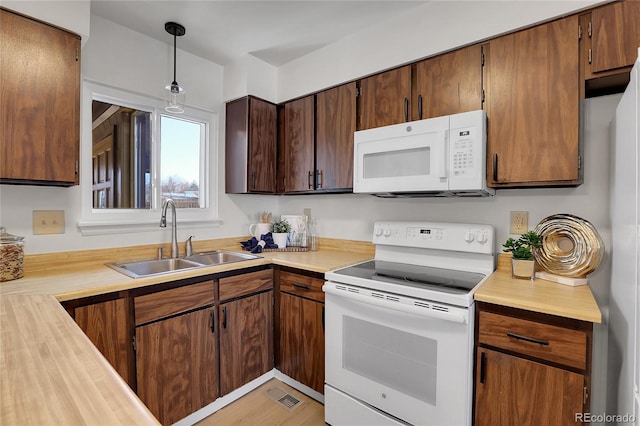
(530, 368)
(176, 364)
(107, 326)
(301, 329)
(245, 321)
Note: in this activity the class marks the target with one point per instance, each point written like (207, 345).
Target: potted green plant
(280, 230)
(523, 264)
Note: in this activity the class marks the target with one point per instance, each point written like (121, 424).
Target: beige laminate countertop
(540, 296)
(52, 373)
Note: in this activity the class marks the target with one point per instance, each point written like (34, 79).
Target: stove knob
(481, 237)
(387, 232)
(468, 236)
(378, 231)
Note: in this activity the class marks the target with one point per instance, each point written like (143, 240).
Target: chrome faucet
(174, 230)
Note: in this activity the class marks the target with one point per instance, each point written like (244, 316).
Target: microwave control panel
(463, 147)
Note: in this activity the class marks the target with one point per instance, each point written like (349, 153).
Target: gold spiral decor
(571, 246)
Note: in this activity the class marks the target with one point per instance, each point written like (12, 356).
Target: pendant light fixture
(175, 93)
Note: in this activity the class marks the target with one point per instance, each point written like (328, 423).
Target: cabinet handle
(495, 167)
(483, 367)
(213, 321)
(309, 183)
(224, 317)
(528, 339)
(420, 107)
(301, 286)
(318, 178)
(406, 109)
(254, 180)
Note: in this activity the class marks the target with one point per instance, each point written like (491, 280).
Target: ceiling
(275, 31)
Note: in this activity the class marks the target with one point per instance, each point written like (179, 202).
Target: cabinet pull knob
(528, 339)
(420, 107)
(301, 286)
(309, 183)
(254, 180)
(406, 109)
(318, 178)
(213, 321)
(483, 367)
(224, 317)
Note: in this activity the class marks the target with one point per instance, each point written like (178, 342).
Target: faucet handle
(188, 246)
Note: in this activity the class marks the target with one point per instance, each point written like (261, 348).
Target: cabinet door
(449, 83)
(108, 327)
(335, 124)
(385, 98)
(516, 391)
(615, 35)
(262, 146)
(40, 92)
(299, 145)
(250, 146)
(302, 340)
(176, 365)
(532, 103)
(246, 340)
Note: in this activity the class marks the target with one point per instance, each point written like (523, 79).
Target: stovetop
(444, 262)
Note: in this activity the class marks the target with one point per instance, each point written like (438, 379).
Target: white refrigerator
(624, 304)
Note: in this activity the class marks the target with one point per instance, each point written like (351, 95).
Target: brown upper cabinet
(384, 98)
(40, 81)
(296, 145)
(335, 125)
(609, 37)
(250, 143)
(532, 104)
(445, 84)
(448, 84)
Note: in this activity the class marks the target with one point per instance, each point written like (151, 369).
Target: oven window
(405, 162)
(402, 361)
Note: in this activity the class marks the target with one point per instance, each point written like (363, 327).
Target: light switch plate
(48, 222)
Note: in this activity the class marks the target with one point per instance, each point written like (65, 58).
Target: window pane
(180, 174)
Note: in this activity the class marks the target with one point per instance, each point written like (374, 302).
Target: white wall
(421, 32)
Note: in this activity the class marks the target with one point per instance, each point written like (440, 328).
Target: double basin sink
(150, 267)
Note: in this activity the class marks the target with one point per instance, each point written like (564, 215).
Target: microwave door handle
(445, 156)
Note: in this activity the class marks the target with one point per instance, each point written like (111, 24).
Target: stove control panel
(476, 238)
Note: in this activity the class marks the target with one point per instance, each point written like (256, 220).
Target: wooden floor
(258, 408)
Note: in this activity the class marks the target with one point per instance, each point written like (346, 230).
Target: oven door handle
(453, 315)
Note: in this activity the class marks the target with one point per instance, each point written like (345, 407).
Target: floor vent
(286, 400)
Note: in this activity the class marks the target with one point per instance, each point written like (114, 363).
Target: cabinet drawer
(549, 342)
(302, 285)
(241, 285)
(154, 306)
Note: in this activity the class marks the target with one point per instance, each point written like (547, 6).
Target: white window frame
(117, 221)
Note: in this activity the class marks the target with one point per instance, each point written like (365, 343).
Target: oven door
(396, 355)
(408, 157)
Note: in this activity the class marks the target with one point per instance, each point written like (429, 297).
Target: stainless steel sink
(145, 268)
(150, 267)
(219, 257)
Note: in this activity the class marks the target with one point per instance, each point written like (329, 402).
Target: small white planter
(280, 239)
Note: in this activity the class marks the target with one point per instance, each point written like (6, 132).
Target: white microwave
(442, 156)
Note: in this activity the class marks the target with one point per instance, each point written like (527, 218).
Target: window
(135, 155)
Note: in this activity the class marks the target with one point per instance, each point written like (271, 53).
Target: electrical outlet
(307, 213)
(48, 222)
(519, 222)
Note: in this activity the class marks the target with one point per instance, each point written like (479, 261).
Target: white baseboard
(225, 400)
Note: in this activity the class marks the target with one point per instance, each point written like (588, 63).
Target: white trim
(113, 221)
